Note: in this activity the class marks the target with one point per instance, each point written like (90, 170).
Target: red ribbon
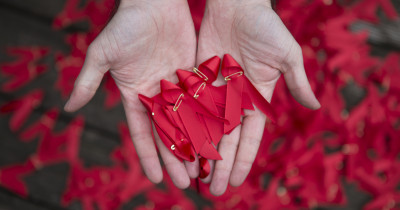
(208, 70)
(22, 108)
(168, 132)
(44, 125)
(25, 68)
(205, 168)
(186, 110)
(189, 118)
(200, 90)
(239, 87)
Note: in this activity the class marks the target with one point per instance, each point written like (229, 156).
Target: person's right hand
(146, 41)
(258, 40)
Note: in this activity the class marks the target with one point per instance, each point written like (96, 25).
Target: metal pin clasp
(200, 74)
(239, 73)
(202, 86)
(178, 102)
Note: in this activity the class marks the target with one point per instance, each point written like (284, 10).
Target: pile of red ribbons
(192, 116)
(305, 158)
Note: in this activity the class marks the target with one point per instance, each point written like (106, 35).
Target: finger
(297, 82)
(140, 129)
(227, 149)
(250, 138)
(207, 179)
(175, 168)
(193, 168)
(87, 82)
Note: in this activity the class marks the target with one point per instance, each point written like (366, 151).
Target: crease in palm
(147, 42)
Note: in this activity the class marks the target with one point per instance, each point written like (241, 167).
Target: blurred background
(343, 156)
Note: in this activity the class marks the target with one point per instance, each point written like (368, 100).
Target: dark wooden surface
(27, 23)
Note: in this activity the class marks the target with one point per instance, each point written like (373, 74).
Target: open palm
(143, 43)
(256, 37)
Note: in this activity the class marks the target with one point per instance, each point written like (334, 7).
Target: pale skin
(146, 41)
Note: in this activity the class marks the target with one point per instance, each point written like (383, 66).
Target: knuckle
(229, 146)
(251, 141)
(244, 164)
(230, 143)
(296, 47)
(223, 170)
(294, 57)
(96, 54)
(141, 136)
(91, 51)
(295, 51)
(84, 88)
(144, 159)
(169, 163)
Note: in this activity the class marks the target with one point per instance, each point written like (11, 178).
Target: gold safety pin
(200, 74)
(178, 102)
(239, 73)
(202, 86)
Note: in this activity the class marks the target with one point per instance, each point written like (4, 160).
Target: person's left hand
(255, 36)
(145, 41)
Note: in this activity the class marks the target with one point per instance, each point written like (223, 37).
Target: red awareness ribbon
(23, 70)
(200, 91)
(12, 176)
(192, 116)
(186, 110)
(168, 132)
(208, 70)
(44, 125)
(238, 88)
(198, 85)
(22, 108)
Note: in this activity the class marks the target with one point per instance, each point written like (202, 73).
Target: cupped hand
(256, 37)
(145, 41)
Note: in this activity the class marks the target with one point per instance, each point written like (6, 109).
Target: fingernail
(67, 106)
(317, 104)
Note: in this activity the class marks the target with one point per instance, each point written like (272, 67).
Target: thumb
(296, 79)
(88, 81)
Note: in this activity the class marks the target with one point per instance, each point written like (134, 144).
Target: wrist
(227, 8)
(130, 3)
(236, 3)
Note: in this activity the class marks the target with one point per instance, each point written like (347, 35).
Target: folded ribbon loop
(201, 91)
(205, 168)
(238, 88)
(191, 117)
(200, 74)
(190, 82)
(172, 137)
(170, 92)
(208, 70)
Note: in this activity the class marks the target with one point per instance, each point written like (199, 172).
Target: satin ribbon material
(24, 69)
(22, 108)
(192, 116)
(205, 168)
(238, 88)
(210, 69)
(189, 112)
(200, 90)
(172, 137)
(44, 125)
